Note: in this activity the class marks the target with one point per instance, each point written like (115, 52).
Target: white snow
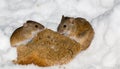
(104, 16)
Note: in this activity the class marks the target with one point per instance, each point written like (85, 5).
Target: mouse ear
(72, 20)
(25, 25)
(63, 17)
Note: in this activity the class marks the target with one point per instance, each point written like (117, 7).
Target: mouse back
(82, 24)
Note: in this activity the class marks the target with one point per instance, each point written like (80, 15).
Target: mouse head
(66, 25)
(32, 25)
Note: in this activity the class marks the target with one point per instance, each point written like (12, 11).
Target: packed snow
(104, 16)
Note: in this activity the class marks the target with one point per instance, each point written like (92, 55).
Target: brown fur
(48, 48)
(25, 32)
(77, 29)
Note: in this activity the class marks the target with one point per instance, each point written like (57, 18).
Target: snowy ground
(104, 16)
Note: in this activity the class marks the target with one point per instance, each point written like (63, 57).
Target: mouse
(25, 33)
(78, 29)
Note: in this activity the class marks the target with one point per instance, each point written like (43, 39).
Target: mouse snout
(60, 31)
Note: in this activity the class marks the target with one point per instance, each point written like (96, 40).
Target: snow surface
(104, 16)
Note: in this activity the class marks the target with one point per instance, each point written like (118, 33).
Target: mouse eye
(36, 26)
(64, 26)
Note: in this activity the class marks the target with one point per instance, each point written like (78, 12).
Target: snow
(104, 16)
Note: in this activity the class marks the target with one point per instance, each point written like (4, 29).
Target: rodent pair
(77, 29)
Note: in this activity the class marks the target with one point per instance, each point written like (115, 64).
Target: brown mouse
(24, 34)
(78, 29)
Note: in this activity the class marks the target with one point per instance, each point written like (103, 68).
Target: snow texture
(104, 16)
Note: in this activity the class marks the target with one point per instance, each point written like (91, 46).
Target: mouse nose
(62, 33)
(59, 31)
